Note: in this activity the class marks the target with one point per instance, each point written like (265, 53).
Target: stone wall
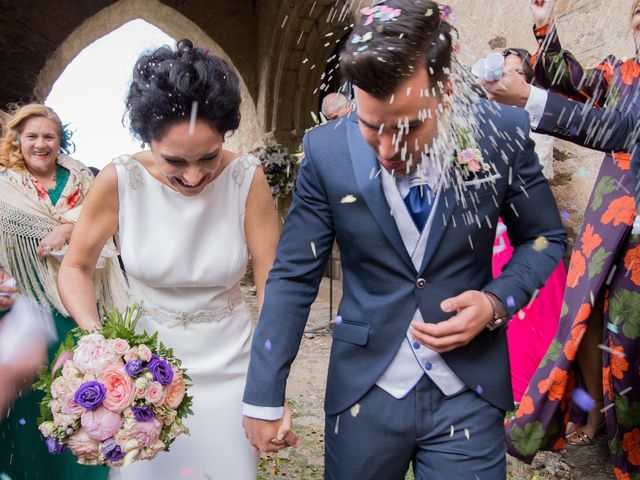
(591, 30)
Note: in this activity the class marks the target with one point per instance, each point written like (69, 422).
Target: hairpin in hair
(446, 13)
(381, 13)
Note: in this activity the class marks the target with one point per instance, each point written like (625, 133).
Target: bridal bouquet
(119, 396)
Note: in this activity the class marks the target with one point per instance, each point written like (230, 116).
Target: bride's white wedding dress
(184, 258)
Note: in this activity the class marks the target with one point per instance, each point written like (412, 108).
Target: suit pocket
(351, 332)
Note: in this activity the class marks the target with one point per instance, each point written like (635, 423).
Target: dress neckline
(204, 190)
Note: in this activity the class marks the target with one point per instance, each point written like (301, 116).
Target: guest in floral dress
(597, 344)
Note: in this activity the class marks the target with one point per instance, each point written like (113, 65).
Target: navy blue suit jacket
(381, 290)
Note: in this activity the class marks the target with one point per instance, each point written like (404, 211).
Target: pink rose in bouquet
(120, 389)
(83, 446)
(93, 353)
(154, 393)
(120, 346)
(100, 423)
(147, 432)
(174, 393)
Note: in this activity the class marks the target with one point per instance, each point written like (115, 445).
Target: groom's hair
(381, 53)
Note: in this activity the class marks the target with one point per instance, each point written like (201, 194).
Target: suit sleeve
(607, 129)
(292, 286)
(534, 227)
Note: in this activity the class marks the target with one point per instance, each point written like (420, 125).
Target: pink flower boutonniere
(468, 156)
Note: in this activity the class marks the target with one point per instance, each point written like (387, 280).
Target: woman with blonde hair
(41, 192)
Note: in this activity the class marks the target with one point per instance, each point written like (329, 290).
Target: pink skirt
(532, 329)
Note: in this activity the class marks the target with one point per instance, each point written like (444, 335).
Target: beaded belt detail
(184, 319)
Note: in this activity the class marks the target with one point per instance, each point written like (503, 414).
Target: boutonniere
(468, 157)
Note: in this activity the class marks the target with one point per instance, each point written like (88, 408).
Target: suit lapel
(441, 217)
(365, 167)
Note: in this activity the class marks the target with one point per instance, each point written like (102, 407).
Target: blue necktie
(419, 203)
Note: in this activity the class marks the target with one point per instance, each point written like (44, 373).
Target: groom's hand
(473, 312)
(270, 435)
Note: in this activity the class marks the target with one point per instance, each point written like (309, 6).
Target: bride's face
(189, 160)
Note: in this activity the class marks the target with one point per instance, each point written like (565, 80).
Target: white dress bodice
(183, 254)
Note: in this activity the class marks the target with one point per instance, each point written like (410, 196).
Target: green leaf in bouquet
(184, 409)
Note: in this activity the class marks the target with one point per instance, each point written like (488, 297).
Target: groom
(419, 368)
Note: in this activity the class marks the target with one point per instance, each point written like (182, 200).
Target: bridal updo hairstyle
(167, 82)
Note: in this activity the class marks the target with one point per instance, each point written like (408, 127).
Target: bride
(187, 214)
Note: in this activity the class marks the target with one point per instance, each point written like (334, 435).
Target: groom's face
(400, 126)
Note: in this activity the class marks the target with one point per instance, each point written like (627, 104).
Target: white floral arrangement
(280, 168)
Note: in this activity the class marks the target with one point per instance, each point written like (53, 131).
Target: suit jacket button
(421, 282)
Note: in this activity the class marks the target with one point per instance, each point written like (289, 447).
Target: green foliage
(553, 353)
(624, 310)
(605, 186)
(529, 439)
(597, 262)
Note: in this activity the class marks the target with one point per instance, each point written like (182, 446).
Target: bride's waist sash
(228, 302)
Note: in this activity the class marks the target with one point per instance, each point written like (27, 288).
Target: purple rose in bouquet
(112, 450)
(161, 370)
(143, 413)
(90, 395)
(134, 367)
(54, 445)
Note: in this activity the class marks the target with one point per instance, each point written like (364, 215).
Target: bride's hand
(542, 11)
(285, 434)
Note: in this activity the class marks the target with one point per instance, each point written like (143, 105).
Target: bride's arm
(97, 223)
(261, 230)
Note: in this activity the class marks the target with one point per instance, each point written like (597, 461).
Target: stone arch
(172, 22)
(293, 79)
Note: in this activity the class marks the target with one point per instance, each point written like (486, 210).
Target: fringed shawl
(27, 216)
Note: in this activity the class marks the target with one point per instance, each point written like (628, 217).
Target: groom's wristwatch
(500, 317)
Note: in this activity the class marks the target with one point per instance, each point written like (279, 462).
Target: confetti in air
(583, 400)
(452, 431)
(540, 244)
(612, 327)
(335, 430)
(479, 389)
(510, 301)
(348, 199)
(193, 117)
(611, 350)
(313, 249)
(355, 410)
(267, 345)
(466, 433)
(338, 319)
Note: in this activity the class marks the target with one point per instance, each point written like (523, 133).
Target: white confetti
(313, 249)
(355, 410)
(452, 431)
(466, 433)
(348, 199)
(194, 116)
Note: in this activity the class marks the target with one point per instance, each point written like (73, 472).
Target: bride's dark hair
(167, 82)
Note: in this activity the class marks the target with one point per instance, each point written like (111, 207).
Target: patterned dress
(605, 262)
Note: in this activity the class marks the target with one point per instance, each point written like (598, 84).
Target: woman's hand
(6, 292)
(542, 11)
(55, 240)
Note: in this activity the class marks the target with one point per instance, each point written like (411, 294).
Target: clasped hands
(267, 436)
(473, 311)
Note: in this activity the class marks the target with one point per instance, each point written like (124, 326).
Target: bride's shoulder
(241, 164)
(131, 166)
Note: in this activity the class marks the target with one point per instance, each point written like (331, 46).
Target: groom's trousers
(457, 437)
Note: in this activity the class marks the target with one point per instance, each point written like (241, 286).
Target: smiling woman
(41, 192)
(187, 213)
